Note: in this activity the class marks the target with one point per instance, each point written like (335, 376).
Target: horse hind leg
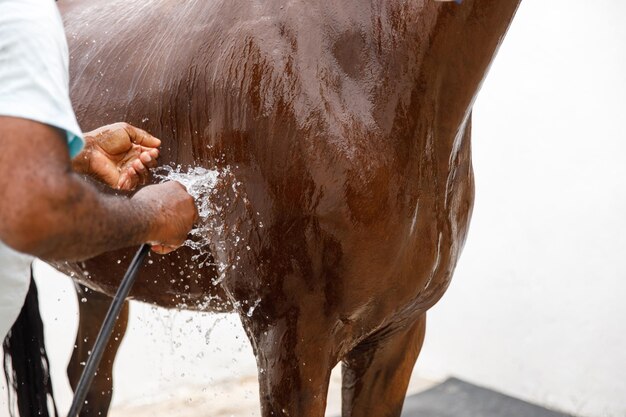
(376, 373)
(92, 307)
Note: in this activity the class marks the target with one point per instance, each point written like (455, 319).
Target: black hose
(106, 330)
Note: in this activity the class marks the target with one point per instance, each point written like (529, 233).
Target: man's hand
(50, 212)
(118, 155)
(176, 213)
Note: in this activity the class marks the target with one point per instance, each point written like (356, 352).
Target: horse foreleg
(376, 373)
(294, 369)
(93, 306)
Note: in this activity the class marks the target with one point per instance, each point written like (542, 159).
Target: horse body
(342, 132)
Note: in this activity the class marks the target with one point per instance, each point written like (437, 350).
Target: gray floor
(456, 398)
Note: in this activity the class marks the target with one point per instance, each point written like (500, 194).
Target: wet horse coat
(342, 132)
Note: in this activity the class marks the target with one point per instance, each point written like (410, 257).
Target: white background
(537, 308)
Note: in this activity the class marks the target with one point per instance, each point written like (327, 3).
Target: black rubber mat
(456, 398)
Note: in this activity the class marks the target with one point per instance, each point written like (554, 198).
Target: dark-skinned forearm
(47, 210)
(74, 221)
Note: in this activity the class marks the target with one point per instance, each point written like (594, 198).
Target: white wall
(164, 353)
(537, 307)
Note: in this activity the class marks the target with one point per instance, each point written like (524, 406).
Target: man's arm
(49, 211)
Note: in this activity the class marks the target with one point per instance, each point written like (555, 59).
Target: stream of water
(218, 194)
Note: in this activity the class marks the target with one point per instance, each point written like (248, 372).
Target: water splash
(217, 194)
(253, 307)
(201, 184)
(219, 238)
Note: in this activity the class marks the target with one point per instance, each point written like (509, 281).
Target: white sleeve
(34, 80)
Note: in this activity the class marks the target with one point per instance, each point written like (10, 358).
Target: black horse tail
(26, 364)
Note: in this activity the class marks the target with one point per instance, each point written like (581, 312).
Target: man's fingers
(127, 182)
(147, 159)
(152, 152)
(130, 181)
(121, 182)
(139, 167)
(141, 137)
(142, 171)
(133, 175)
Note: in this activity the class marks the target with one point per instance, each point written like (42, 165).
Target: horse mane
(26, 364)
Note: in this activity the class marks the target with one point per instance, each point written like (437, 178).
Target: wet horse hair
(341, 135)
(26, 365)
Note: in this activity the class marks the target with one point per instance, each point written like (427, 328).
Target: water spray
(201, 184)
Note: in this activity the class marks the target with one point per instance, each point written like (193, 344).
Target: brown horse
(341, 132)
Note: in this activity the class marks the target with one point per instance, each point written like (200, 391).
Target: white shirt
(14, 281)
(34, 84)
